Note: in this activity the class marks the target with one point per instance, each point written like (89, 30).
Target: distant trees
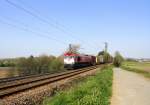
(131, 59)
(27, 65)
(118, 59)
(7, 62)
(34, 65)
(2, 64)
(38, 65)
(106, 56)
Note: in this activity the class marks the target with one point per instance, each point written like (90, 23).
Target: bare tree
(73, 48)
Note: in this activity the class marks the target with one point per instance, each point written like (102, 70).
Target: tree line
(48, 64)
(34, 65)
(40, 65)
(7, 62)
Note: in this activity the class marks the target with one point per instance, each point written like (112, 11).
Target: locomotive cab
(69, 62)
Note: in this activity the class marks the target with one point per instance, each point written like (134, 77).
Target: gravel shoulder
(130, 88)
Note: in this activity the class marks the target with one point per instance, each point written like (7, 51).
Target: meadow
(139, 67)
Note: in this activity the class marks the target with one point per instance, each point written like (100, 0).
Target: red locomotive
(72, 60)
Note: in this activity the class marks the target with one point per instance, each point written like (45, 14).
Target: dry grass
(139, 67)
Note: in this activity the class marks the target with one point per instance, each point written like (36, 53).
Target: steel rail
(34, 79)
(30, 83)
(9, 79)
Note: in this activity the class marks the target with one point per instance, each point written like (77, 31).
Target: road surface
(130, 88)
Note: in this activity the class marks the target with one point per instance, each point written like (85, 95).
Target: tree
(38, 65)
(27, 65)
(118, 59)
(43, 63)
(106, 56)
(73, 48)
(56, 65)
(2, 64)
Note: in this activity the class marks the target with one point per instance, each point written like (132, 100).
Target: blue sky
(124, 24)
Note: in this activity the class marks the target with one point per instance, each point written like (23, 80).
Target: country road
(130, 88)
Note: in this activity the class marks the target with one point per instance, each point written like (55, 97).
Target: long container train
(73, 61)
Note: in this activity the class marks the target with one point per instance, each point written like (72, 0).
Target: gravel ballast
(36, 95)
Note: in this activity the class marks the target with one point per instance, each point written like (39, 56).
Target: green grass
(142, 68)
(138, 65)
(95, 90)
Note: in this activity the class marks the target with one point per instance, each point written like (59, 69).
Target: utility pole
(70, 48)
(106, 47)
(105, 52)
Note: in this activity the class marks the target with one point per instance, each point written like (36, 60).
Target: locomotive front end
(69, 62)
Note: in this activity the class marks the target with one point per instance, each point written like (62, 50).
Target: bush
(43, 62)
(118, 59)
(7, 62)
(27, 65)
(38, 65)
(56, 65)
(2, 65)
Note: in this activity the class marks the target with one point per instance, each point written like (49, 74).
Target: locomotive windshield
(69, 57)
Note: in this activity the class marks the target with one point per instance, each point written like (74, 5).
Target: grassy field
(139, 67)
(94, 90)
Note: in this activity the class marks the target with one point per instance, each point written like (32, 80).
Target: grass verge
(145, 73)
(95, 90)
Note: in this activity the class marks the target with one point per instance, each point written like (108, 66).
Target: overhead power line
(34, 15)
(37, 16)
(34, 32)
(38, 12)
(46, 32)
(54, 21)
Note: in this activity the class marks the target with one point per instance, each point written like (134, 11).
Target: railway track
(2, 80)
(14, 85)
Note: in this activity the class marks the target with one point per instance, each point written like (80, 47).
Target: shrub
(56, 65)
(38, 65)
(118, 59)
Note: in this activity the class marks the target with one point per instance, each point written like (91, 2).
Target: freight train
(73, 61)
